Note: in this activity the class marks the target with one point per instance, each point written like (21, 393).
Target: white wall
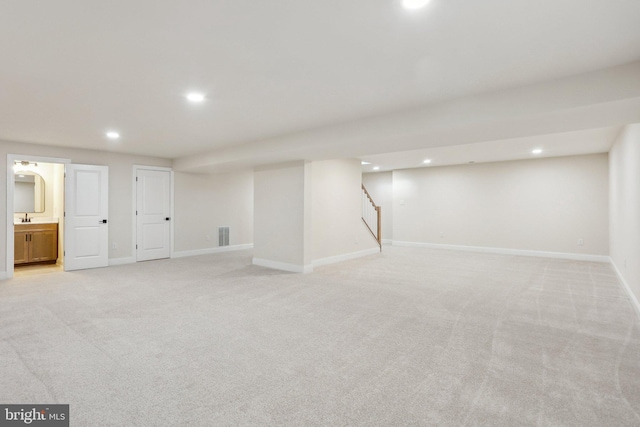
(120, 189)
(624, 166)
(281, 219)
(544, 204)
(380, 187)
(205, 202)
(337, 209)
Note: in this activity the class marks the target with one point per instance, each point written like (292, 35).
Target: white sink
(36, 220)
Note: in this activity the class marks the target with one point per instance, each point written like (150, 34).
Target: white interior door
(153, 214)
(86, 205)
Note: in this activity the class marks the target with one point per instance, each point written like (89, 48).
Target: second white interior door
(153, 214)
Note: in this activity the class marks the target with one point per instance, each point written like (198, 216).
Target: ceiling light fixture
(365, 163)
(113, 135)
(427, 161)
(536, 151)
(414, 4)
(375, 168)
(195, 97)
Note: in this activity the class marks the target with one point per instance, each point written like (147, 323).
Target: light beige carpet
(407, 337)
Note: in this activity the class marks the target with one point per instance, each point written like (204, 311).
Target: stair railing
(372, 216)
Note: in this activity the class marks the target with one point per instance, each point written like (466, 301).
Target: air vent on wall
(223, 236)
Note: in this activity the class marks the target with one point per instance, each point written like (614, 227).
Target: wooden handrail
(378, 209)
(368, 195)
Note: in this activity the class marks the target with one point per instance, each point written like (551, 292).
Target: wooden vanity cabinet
(35, 243)
(20, 247)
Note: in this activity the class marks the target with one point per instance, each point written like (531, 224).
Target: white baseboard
(208, 251)
(294, 268)
(121, 261)
(3, 275)
(345, 257)
(503, 251)
(632, 297)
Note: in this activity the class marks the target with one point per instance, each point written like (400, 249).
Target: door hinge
(64, 253)
(136, 246)
(136, 179)
(136, 212)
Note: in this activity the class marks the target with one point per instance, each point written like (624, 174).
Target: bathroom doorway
(35, 215)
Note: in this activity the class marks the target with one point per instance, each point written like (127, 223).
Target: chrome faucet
(26, 218)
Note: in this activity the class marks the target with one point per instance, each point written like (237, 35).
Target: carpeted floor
(407, 337)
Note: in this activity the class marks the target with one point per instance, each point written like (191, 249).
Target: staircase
(371, 216)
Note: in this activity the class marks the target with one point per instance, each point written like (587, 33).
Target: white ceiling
(277, 69)
(554, 145)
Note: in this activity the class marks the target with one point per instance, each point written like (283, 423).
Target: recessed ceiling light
(536, 151)
(195, 97)
(365, 163)
(414, 4)
(426, 161)
(113, 135)
(375, 168)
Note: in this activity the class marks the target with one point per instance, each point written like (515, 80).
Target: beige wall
(120, 188)
(544, 204)
(308, 212)
(380, 187)
(624, 165)
(305, 211)
(205, 202)
(281, 219)
(337, 209)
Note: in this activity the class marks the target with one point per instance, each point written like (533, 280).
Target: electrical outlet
(207, 237)
(580, 242)
(114, 246)
(442, 234)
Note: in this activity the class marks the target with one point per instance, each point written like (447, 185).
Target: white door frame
(11, 158)
(134, 205)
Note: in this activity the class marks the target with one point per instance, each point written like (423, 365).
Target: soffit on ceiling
(589, 141)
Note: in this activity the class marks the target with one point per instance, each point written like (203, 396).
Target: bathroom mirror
(28, 195)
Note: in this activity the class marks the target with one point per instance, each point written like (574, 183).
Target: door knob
(167, 219)
(102, 221)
